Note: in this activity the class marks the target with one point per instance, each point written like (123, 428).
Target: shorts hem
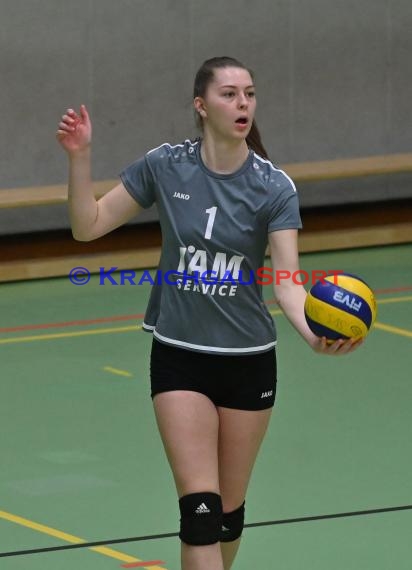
(217, 404)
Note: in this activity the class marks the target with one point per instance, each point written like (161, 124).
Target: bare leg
(189, 426)
(240, 436)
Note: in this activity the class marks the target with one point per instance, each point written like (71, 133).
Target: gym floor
(82, 461)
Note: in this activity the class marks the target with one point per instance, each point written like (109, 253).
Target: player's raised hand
(75, 131)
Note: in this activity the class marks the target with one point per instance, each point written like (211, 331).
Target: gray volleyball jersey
(214, 223)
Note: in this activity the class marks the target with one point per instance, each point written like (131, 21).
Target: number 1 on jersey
(211, 221)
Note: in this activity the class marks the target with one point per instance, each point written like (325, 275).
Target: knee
(232, 525)
(200, 518)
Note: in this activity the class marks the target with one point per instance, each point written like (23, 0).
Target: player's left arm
(291, 295)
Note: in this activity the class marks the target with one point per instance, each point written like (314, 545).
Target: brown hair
(205, 75)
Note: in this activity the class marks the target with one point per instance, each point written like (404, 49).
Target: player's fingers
(72, 116)
(354, 344)
(63, 126)
(336, 347)
(84, 113)
(321, 343)
(349, 345)
(68, 119)
(324, 345)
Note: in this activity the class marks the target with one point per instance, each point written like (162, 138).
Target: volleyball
(340, 306)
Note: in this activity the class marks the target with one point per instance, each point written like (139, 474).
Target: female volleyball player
(213, 362)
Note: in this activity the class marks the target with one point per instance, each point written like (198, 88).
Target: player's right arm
(90, 218)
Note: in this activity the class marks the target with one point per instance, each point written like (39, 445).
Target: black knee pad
(232, 525)
(201, 518)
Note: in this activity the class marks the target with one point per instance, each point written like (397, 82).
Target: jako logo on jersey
(267, 394)
(194, 260)
(181, 196)
(345, 299)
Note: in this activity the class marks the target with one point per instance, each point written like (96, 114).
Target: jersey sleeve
(139, 181)
(284, 205)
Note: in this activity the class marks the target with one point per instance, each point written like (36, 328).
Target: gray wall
(333, 77)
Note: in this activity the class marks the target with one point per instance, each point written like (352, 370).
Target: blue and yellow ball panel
(340, 306)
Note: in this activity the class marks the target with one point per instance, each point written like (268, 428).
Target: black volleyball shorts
(243, 382)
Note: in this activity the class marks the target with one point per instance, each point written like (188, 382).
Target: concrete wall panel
(333, 77)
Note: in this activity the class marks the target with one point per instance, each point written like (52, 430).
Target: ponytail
(254, 141)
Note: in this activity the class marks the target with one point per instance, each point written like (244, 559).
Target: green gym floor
(82, 462)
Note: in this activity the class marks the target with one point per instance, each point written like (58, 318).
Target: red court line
(141, 564)
(139, 317)
(376, 291)
(392, 290)
(71, 323)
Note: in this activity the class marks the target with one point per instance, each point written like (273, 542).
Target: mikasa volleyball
(340, 306)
